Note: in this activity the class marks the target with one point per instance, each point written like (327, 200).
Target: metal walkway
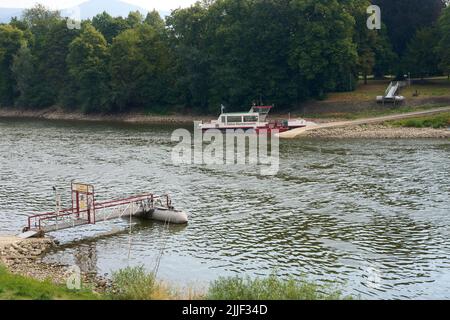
(85, 210)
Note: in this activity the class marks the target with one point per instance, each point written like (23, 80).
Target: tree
(39, 20)
(385, 57)
(47, 46)
(154, 19)
(140, 68)
(322, 48)
(87, 62)
(420, 58)
(11, 39)
(443, 46)
(365, 39)
(110, 27)
(188, 40)
(52, 59)
(404, 17)
(134, 19)
(27, 79)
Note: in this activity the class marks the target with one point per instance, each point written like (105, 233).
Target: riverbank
(23, 275)
(138, 118)
(23, 257)
(375, 131)
(378, 132)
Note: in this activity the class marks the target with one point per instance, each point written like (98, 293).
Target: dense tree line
(230, 52)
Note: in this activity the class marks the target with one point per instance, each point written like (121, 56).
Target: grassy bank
(136, 284)
(435, 121)
(270, 288)
(373, 112)
(431, 87)
(360, 103)
(15, 287)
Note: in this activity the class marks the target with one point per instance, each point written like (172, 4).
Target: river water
(370, 216)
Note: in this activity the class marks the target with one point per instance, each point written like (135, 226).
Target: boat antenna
(222, 108)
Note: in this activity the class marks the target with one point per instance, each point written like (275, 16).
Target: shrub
(134, 283)
(270, 288)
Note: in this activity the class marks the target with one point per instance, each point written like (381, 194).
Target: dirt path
(300, 131)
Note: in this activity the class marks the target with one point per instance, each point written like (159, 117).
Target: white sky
(61, 4)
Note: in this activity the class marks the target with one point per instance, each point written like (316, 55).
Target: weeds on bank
(269, 288)
(136, 284)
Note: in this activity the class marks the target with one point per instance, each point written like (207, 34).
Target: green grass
(433, 87)
(435, 121)
(429, 88)
(133, 283)
(378, 112)
(15, 287)
(269, 288)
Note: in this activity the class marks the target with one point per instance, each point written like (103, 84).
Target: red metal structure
(85, 210)
(83, 200)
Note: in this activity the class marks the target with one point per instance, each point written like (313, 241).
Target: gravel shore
(138, 118)
(378, 132)
(24, 257)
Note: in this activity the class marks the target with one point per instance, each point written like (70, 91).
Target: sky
(62, 4)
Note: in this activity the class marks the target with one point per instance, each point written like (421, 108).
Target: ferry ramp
(300, 131)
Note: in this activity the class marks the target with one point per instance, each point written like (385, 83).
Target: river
(371, 217)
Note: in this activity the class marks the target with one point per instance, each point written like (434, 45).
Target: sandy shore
(59, 114)
(24, 257)
(378, 132)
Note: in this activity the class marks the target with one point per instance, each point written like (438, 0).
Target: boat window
(261, 110)
(223, 119)
(250, 119)
(234, 119)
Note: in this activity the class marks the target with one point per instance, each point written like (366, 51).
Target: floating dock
(85, 210)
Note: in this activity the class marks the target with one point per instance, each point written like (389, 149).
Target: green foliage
(270, 288)
(420, 58)
(27, 78)
(14, 287)
(231, 52)
(154, 19)
(11, 39)
(322, 50)
(436, 122)
(404, 17)
(385, 58)
(443, 47)
(140, 65)
(110, 27)
(133, 283)
(88, 66)
(135, 19)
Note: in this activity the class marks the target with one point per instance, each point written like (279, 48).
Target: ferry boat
(257, 118)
